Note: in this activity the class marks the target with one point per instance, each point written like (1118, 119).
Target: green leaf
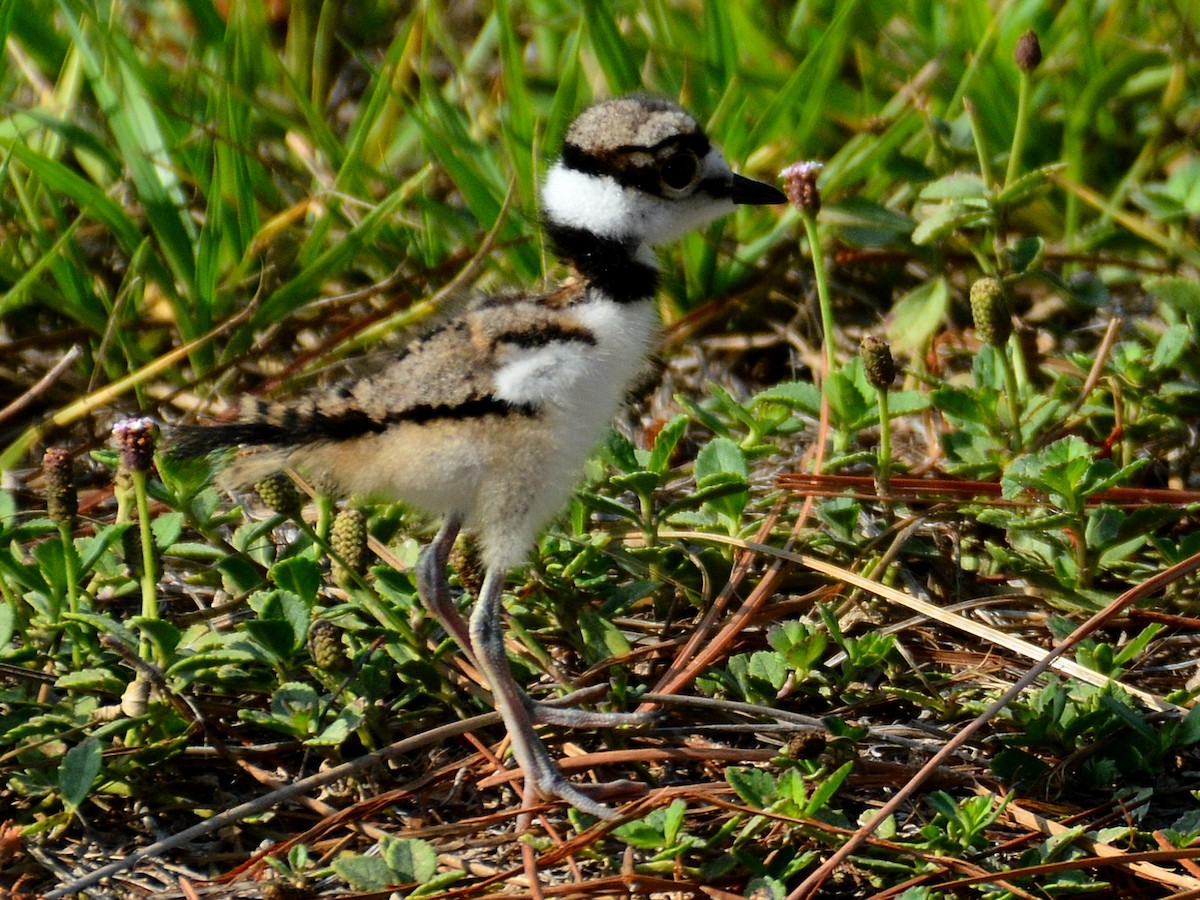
(1181, 293)
(718, 459)
(1189, 733)
(208, 660)
(51, 559)
(161, 633)
(918, 316)
(770, 667)
(641, 834)
(286, 606)
(956, 186)
(104, 625)
(945, 218)
(8, 623)
(756, 787)
(718, 487)
(79, 769)
(767, 888)
(1170, 347)
(847, 403)
(240, 575)
(92, 548)
(1022, 254)
(1028, 185)
(166, 529)
(642, 482)
(364, 873)
(90, 681)
(412, 860)
(826, 789)
(275, 636)
(802, 395)
(339, 730)
(665, 443)
(601, 637)
(621, 452)
(608, 505)
(673, 820)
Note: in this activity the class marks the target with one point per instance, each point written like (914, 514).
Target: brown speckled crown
(629, 122)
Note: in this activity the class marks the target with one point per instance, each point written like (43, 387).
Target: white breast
(583, 382)
(578, 388)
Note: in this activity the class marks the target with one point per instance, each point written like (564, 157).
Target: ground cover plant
(908, 438)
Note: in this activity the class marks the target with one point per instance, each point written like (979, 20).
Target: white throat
(602, 206)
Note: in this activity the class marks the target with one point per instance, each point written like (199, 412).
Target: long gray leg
(433, 585)
(514, 705)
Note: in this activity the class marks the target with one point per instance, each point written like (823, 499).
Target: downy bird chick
(488, 419)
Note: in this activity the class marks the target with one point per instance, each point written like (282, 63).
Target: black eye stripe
(716, 187)
(610, 160)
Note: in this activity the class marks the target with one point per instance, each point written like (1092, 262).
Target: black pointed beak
(755, 193)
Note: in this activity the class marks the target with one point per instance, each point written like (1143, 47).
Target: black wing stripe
(544, 333)
(296, 429)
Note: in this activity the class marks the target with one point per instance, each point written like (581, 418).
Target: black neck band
(609, 264)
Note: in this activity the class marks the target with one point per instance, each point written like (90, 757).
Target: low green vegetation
(204, 200)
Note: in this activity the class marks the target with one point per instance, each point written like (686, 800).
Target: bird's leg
(433, 586)
(434, 590)
(515, 707)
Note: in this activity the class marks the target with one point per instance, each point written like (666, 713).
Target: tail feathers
(262, 449)
(189, 441)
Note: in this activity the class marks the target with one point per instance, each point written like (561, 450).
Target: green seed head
(280, 494)
(991, 311)
(348, 539)
(325, 645)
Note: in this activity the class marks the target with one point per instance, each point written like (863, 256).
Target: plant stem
(149, 565)
(825, 301)
(72, 579)
(884, 459)
(1012, 396)
(1020, 129)
(980, 140)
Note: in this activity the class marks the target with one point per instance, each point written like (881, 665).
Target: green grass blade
(612, 50)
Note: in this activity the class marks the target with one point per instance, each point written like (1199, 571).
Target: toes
(572, 717)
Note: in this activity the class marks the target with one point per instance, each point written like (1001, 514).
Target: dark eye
(679, 171)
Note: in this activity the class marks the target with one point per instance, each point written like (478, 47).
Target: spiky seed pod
(877, 362)
(62, 501)
(1028, 52)
(348, 539)
(800, 185)
(464, 557)
(280, 494)
(135, 439)
(991, 311)
(325, 645)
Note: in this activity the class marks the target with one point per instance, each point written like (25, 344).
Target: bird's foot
(564, 711)
(571, 717)
(549, 783)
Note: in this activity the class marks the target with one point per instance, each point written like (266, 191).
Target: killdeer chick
(488, 419)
